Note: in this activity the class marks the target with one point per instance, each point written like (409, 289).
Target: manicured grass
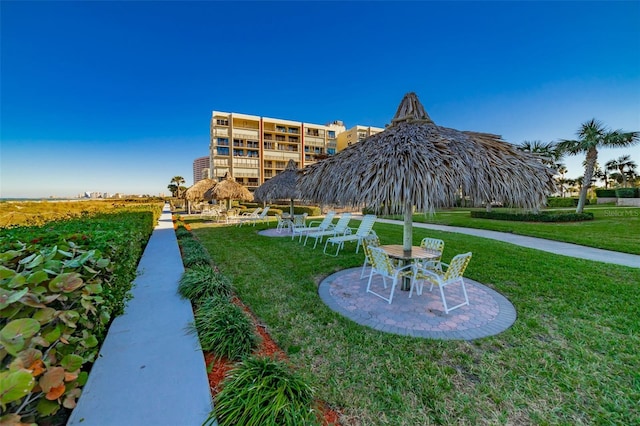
(613, 228)
(570, 358)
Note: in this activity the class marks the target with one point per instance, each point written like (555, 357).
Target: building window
(281, 129)
(268, 145)
(222, 122)
(223, 141)
(222, 151)
(293, 139)
(238, 153)
(331, 151)
(332, 134)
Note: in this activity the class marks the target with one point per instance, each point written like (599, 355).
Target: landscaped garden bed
(251, 379)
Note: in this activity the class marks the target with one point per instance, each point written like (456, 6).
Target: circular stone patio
(487, 314)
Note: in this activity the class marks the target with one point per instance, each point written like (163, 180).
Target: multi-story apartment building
(201, 168)
(356, 134)
(254, 149)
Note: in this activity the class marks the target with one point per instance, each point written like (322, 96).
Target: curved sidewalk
(556, 247)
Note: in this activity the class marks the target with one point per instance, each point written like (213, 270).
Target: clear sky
(117, 96)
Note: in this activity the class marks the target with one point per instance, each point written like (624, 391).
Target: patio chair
(433, 245)
(298, 224)
(363, 230)
(281, 223)
(323, 225)
(381, 264)
(339, 228)
(370, 240)
(453, 275)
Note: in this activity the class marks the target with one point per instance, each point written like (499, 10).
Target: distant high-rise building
(356, 134)
(201, 167)
(254, 148)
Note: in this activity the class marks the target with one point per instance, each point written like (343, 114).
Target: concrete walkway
(556, 247)
(151, 370)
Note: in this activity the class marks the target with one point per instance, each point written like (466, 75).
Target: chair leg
(364, 266)
(464, 292)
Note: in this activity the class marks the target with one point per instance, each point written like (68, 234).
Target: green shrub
(564, 202)
(193, 253)
(626, 192)
(225, 329)
(182, 232)
(202, 282)
(264, 392)
(533, 217)
(606, 193)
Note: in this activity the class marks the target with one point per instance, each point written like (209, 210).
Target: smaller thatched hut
(282, 186)
(200, 191)
(228, 189)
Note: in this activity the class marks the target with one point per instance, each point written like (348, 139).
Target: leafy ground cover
(613, 228)
(61, 284)
(570, 358)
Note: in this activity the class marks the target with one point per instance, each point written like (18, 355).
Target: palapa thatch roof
(416, 163)
(229, 189)
(283, 186)
(201, 190)
(429, 166)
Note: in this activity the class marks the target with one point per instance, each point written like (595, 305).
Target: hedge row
(618, 193)
(61, 284)
(533, 217)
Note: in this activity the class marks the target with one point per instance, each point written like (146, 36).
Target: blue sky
(117, 96)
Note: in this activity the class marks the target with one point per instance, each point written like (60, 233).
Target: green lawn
(570, 358)
(613, 228)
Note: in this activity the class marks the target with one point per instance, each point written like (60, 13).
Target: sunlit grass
(570, 358)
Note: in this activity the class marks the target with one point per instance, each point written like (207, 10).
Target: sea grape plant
(51, 311)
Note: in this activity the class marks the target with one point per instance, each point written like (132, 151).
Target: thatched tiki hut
(228, 189)
(416, 163)
(200, 191)
(282, 186)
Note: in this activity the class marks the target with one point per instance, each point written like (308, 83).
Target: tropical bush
(59, 291)
(261, 391)
(547, 216)
(225, 329)
(201, 282)
(564, 202)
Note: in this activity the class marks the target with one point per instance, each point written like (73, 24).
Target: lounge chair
(323, 225)
(248, 216)
(339, 228)
(363, 230)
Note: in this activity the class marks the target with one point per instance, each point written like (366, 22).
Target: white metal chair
(339, 228)
(366, 225)
(281, 223)
(382, 265)
(433, 245)
(453, 275)
(370, 240)
(298, 224)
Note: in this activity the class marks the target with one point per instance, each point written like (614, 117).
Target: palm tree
(562, 170)
(620, 165)
(177, 181)
(546, 152)
(593, 135)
